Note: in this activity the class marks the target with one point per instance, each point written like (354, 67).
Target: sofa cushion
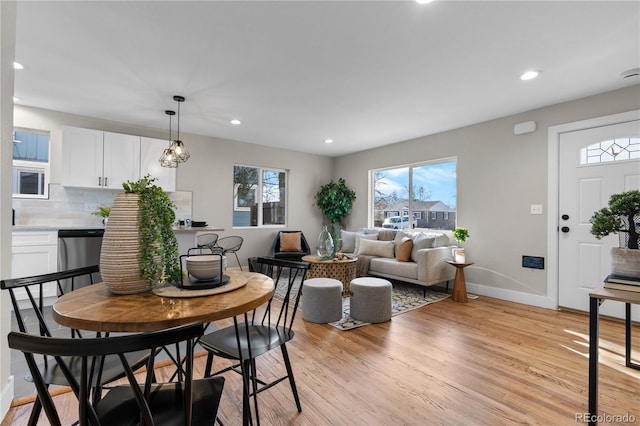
(348, 241)
(360, 237)
(376, 248)
(290, 241)
(403, 250)
(421, 241)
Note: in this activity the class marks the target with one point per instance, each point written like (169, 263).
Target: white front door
(585, 186)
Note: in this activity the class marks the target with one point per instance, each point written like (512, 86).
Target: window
(30, 164)
(259, 196)
(610, 151)
(420, 190)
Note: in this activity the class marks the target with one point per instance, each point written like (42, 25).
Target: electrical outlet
(536, 208)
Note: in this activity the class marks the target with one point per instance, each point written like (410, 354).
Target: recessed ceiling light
(235, 122)
(634, 72)
(529, 75)
(16, 99)
(423, 1)
(328, 141)
(17, 65)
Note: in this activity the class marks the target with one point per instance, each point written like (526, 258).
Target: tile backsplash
(72, 207)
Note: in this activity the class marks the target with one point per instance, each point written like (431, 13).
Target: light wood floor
(488, 362)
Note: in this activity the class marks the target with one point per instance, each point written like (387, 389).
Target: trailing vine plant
(159, 261)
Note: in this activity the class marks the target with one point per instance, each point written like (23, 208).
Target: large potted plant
(139, 247)
(335, 200)
(621, 217)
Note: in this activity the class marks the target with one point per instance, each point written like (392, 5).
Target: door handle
(565, 229)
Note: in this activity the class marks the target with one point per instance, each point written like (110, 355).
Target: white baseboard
(512, 296)
(6, 397)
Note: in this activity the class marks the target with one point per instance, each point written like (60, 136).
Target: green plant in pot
(460, 235)
(139, 247)
(103, 212)
(621, 217)
(335, 200)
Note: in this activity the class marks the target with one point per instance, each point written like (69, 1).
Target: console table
(596, 298)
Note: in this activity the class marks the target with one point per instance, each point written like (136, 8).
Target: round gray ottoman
(370, 299)
(322, 300)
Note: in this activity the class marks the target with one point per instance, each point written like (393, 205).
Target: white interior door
(585, 185)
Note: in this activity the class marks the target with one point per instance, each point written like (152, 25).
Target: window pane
(431, 201)
(30, 164)
(245, 201)
(273, 197)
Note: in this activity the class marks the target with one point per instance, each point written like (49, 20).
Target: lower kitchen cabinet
(35, 253)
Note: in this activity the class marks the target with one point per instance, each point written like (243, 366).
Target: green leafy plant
(460, 234)
(622, 216)
(335, 200)
(160, 261)
(102, 211)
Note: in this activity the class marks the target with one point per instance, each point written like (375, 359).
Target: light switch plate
(536, 208)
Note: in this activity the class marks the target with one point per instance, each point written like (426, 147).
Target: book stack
(620, 282)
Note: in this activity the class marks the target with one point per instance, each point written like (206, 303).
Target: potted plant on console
(622, 217)
(139, 247)
(335, 200)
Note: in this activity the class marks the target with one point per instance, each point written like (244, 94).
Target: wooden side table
(341, 270)
(459, 284)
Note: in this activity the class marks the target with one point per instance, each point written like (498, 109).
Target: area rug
(404, 298)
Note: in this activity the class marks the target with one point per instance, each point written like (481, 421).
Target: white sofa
(426, 265)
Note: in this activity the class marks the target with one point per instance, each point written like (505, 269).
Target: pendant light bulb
(180, 151)
(168, 157)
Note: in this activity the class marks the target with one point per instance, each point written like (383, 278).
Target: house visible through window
(259, 196)
(420, 190)
(30, 164)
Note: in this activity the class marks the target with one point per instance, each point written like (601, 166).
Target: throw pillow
(290, 241)
(421, 241)
(348, 241)
(360, 237)
(403, 250)
(376, 248)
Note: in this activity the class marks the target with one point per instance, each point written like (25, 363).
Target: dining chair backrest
(288, 277)
(207, 240)
(28, 296)
(129, 403)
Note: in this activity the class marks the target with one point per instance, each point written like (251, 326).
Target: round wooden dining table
(95, 308)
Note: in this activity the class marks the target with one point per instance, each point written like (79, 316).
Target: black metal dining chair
(247, 340)
(207, 240)
(231, 244)
(33, 317)
(190, 402)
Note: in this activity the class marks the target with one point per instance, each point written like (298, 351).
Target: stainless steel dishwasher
(78, 248)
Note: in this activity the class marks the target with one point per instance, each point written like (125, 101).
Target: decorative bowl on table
(206, 267)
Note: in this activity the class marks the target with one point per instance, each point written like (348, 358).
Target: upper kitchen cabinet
(97, 159)
(150, 152)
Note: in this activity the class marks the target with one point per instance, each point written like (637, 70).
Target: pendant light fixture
(168, 157)
(179, 150)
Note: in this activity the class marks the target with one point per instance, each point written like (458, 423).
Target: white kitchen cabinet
(97, 159)
(34, 253)
(150, 152)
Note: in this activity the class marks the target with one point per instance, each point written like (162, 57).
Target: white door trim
(552, 189)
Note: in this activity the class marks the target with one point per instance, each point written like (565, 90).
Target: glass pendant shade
(180, 151)
(168, 158)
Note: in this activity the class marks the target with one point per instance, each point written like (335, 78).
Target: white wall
(499, 176)
(7, 52)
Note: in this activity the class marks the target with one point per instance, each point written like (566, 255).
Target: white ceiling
(362, 73)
